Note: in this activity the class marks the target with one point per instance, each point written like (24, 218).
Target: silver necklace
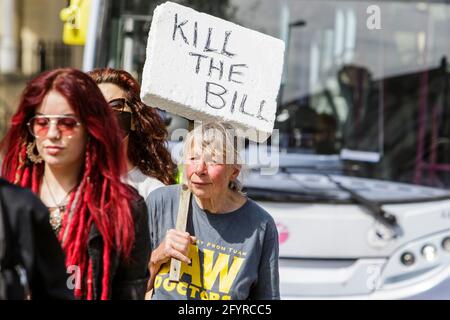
(56, 211)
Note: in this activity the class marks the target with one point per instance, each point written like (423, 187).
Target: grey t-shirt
(235, 256)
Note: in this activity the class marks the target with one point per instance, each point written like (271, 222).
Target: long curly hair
(147, 143)
(100, 197)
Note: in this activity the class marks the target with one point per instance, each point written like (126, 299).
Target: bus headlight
(446, 244)
(429, 252)
(407, 258)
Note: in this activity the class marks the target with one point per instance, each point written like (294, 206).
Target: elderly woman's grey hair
(219, 143)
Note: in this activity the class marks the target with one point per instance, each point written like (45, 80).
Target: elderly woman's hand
(175, 245)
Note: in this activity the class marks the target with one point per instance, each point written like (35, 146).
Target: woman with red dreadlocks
(149, 163)
(63, 145)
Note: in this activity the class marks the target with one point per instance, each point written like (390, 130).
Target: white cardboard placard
(205, 68)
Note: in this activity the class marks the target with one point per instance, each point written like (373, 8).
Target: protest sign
(207, 69)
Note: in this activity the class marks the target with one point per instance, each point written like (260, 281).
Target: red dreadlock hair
(147, 143)
(100, 198)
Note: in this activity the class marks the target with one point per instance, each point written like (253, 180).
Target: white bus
(361, 197)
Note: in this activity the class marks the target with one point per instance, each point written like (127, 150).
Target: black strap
(2, 235)
(2, 252)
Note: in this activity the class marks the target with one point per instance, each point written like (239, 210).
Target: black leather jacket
(128, 280)
(32, 245)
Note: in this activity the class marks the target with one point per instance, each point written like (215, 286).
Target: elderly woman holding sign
(230, 247)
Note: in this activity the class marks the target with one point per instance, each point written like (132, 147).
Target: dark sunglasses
(40, 124)
(124, 114)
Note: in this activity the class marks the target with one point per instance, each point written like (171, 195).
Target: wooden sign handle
(183, 210)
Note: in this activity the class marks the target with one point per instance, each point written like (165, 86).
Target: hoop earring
(35, 158)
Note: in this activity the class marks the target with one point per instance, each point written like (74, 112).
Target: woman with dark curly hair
(150, 165)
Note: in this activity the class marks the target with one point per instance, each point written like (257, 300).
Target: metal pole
(8, 43)
(91, 37)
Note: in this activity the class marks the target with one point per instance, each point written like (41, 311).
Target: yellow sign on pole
(76, 19)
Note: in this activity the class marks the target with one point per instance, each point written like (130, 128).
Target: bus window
(376, 95)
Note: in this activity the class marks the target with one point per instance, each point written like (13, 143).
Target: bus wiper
(273, 193)
(374, 207)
